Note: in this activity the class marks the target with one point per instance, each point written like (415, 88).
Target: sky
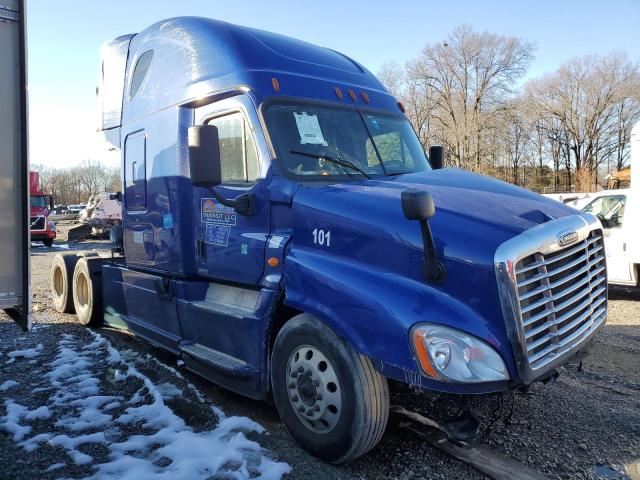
(64, 38)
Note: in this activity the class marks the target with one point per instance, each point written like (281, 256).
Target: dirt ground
(584, 425)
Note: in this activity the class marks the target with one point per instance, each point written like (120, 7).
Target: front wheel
(331, 399)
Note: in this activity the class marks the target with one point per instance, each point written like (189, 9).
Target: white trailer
(15, 297)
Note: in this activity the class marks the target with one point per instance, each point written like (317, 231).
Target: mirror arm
(243, 204)
(433, 269)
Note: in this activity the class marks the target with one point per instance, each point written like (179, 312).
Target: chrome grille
(37, 223)
(562, 296)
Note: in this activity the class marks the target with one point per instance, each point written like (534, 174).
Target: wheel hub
(313, 388)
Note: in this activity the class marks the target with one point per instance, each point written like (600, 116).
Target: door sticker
(216, 214)
(217, 235)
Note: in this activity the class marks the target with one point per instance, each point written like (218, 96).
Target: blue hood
(474, 213)
(375, 254)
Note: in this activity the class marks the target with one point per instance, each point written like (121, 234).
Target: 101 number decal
(322, 237)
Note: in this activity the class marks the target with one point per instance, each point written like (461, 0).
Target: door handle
(202, 250)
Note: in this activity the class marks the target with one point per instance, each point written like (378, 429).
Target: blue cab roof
(195, 57)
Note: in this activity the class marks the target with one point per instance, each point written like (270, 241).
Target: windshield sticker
(217, 235)
(309, 129)
(216, 214)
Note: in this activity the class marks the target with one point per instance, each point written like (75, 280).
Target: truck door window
(609, 210)
(135, 175)
(237, 149)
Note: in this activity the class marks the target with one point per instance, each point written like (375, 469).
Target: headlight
(451, 355)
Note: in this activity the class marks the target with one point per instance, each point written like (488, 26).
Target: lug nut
(294, 374)
(309, 413)
(301, 409)
(316, 383)
(292, 385)
(300, 369)
(294, 398)
(317, 408)
(318, 396)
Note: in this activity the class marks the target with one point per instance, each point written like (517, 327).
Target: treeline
(563, 131)
(76, 184)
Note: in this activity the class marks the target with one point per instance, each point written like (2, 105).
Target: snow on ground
(143, 437)
(7, 385)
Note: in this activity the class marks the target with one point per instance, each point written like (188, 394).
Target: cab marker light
(276, 84)
(338, 92)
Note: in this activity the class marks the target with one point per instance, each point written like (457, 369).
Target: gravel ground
(584, 425)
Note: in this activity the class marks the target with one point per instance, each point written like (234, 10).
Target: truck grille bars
(552, 282)
(563, 297)
(37, 223)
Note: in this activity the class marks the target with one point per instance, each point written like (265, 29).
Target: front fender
(374, 311)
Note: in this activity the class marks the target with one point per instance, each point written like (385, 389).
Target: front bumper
(43, 234)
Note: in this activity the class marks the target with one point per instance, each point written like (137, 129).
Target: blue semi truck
(285, 234)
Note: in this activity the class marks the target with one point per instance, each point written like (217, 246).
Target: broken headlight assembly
(451, 355)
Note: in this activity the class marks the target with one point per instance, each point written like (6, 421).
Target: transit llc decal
(216, 214)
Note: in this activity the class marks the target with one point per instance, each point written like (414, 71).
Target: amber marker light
(338, 92)
(276, 84)
(365, 97)
(273, 262)
(352, 95)
(423, 356)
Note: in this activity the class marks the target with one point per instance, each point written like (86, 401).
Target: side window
(237, 150)
(609, 210)
(140, 72)
(135, 175)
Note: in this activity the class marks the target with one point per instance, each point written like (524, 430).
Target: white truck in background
(619, 212)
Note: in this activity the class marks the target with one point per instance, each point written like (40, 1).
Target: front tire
(87, 291)
(48, 242)
(331, 399)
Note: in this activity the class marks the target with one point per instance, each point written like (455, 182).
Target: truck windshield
(321, 141)
(38, 202)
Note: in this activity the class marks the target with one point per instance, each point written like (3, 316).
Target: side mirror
(436, 156)
(116, 196)
(50, 197)
(204, 156)
(417, 204)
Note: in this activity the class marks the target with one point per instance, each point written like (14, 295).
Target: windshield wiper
(337, 161)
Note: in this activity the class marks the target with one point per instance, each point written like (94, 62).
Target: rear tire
(331, 399)
(87, 291)
(48, 242)
(62, 269)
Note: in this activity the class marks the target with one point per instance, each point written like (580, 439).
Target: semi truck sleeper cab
(284, 233)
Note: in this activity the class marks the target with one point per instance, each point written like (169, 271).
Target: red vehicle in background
(40, 207)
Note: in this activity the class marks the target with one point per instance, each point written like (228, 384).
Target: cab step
(219, 361)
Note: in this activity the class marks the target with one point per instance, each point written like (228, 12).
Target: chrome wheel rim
(58, 281)
(313, 389)
(83, 290)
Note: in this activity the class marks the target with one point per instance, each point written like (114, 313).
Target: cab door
(231, 246)
(610, 210)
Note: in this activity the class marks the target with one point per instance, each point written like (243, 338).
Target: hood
(474, 213)
(357, 231)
